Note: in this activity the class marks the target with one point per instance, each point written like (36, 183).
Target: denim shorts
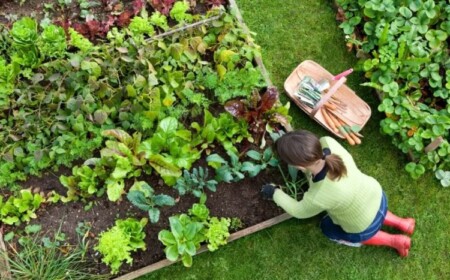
(336, 233)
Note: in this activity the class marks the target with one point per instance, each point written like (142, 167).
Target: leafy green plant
(85, 182)
(198, 211)
(170, 149)
(21, 208)
(117, 243)
(179, 12)
(24, 34)
(142, 196)
(226, 172)
(224, 129)
(404, 55)
(77, 40)
(52, 41)
(216, 230)
(195, 182)
(189, 231)
(183, 240)
(263, 160)
(444, 177)
(217, 233)
(141, 26)
(159, 20)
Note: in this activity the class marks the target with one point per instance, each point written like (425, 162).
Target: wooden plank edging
(234, 236)
(5, 271)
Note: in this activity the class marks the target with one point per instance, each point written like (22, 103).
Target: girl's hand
(268, 190)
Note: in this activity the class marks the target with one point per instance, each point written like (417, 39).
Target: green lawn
(289, 32)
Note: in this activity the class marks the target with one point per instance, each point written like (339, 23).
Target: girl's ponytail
(335, 166)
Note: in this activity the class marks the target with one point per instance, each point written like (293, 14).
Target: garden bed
(240, 200)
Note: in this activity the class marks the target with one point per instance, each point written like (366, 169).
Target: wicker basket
(356, 111)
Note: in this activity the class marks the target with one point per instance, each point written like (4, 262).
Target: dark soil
(241, 200)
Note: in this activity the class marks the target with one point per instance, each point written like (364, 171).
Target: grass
(289, 32)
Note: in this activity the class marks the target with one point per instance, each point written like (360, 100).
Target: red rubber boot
(400, 242)
(406, 225)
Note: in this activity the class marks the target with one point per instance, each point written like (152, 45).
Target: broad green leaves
(407, 62)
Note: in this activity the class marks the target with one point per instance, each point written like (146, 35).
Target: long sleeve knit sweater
(351, 202)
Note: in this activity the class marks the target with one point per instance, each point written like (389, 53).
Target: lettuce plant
(141, 26)
(179, 12)
(183, 240)
(117, 243)
(8, 74)
(84, 182)
(159, 20)
(170, 149)
(223, 129)
(259, 111)
(52, 41)
(18, 209)
(77, 40)
(24, 34)
(217, 233)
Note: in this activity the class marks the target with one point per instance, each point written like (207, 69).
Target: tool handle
(343, 74)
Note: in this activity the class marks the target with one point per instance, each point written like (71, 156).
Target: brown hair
(302, 148)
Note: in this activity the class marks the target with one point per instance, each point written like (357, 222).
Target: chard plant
(259, 111)
(143, 197)
(117, 243)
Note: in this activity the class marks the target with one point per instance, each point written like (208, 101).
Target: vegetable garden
(145, 130)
